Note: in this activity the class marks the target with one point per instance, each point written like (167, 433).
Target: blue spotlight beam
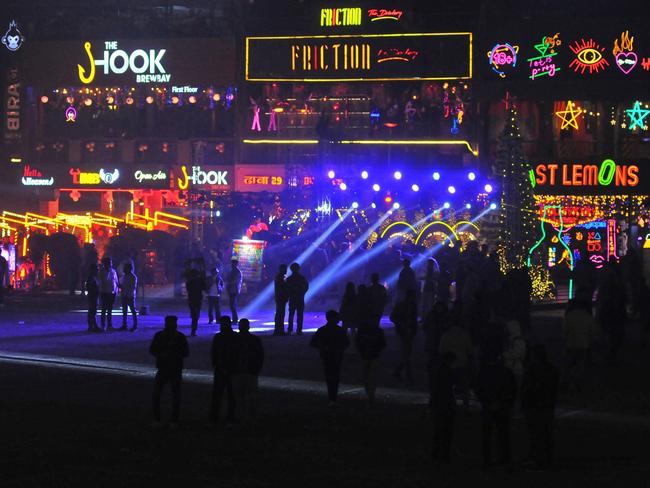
(267, 292)
(323, 278)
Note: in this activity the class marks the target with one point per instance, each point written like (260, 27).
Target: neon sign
(70, 114)
(557, 237)
(12, 106)
(263, 180)
(637, 116)
(588, 56)
(33, 177)
(328, 57)
(332, 17)
(645, 64)
(396, 54)
(544, 65)
(117, 61)
(185, 89)
(200, 177)
(503, 57)
(611, 239)
(93, 178)
(382, 14)
(141, 176)
(569, 115)
(13, 38)
(626, 58)
(587, 175)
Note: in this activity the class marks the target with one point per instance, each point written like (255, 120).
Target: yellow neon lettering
(336, 55)
(184, 184)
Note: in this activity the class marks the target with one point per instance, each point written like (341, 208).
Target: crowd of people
(477, 339)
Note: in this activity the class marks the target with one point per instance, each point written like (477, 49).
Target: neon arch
(465, 223)
(437, 222)
(397, 223)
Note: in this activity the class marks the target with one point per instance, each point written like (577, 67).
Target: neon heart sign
(626, 58)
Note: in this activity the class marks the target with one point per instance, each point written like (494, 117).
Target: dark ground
(69, 426)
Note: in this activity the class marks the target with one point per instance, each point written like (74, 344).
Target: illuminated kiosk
(589, 214)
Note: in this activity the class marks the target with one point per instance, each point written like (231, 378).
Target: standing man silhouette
(281, 298)
(129, 287)
(107, 290)
(169, 347)
(297, 287)
(233, 287)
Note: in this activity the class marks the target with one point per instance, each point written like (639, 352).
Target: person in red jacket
(331, 341)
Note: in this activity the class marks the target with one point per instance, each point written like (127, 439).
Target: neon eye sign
(588, 57)
(118, 61)
(503, 58)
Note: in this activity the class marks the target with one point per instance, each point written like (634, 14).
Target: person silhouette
(405, 318)
(214, 289)
(108, 289)
(378, 298)
(281, 298)
(251, 362)
(226, 356)
(406, 281)
(331, 341)
(444, 408)
(128, 289)
(169, 347)
(92, 295)
(370, 341)
(297, 287)
(195, 285)
(233, 287)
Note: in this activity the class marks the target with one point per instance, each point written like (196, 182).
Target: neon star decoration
(588, 56)
(569, 115)
(637, 116)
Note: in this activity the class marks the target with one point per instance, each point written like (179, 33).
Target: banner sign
(608, 177)
(260, 177)
(370, 57)
(200, 177)
(249, 253)
(149, 62)
(12, 104)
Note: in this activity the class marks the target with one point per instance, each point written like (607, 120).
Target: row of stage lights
(396, 205)
(397, 175)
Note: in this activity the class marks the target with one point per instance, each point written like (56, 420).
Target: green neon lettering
(607, 167)
(531, 175)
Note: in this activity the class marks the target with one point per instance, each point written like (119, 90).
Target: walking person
(349, 308)
(92, 296)
(214, 289)
(406, 282)
(444, 409)
(251, 362)
(195, 286)
(233, 287)
(225, 356)
(496, 391)
(331, 342)
(579, 326)
(370, 341)
(405, 318)
(538, 399)
(108, 289)
(128, 290)
(281, 299)
(456, 340)
(169, 347)
(297, 287)
(378, 297)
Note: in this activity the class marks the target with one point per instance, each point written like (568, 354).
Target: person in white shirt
(107, 290)
(215, 287)
(233, 287)
(128, 288)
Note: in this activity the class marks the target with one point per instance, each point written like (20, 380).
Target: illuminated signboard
(428, 56)
(379, 14)
(33, 177)
(143, 176)
(106, 177)
(260, 177)
(202, 177)
(334, 17)
(13, 38)
(544, 64)
(185, 64)
(607, 177)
